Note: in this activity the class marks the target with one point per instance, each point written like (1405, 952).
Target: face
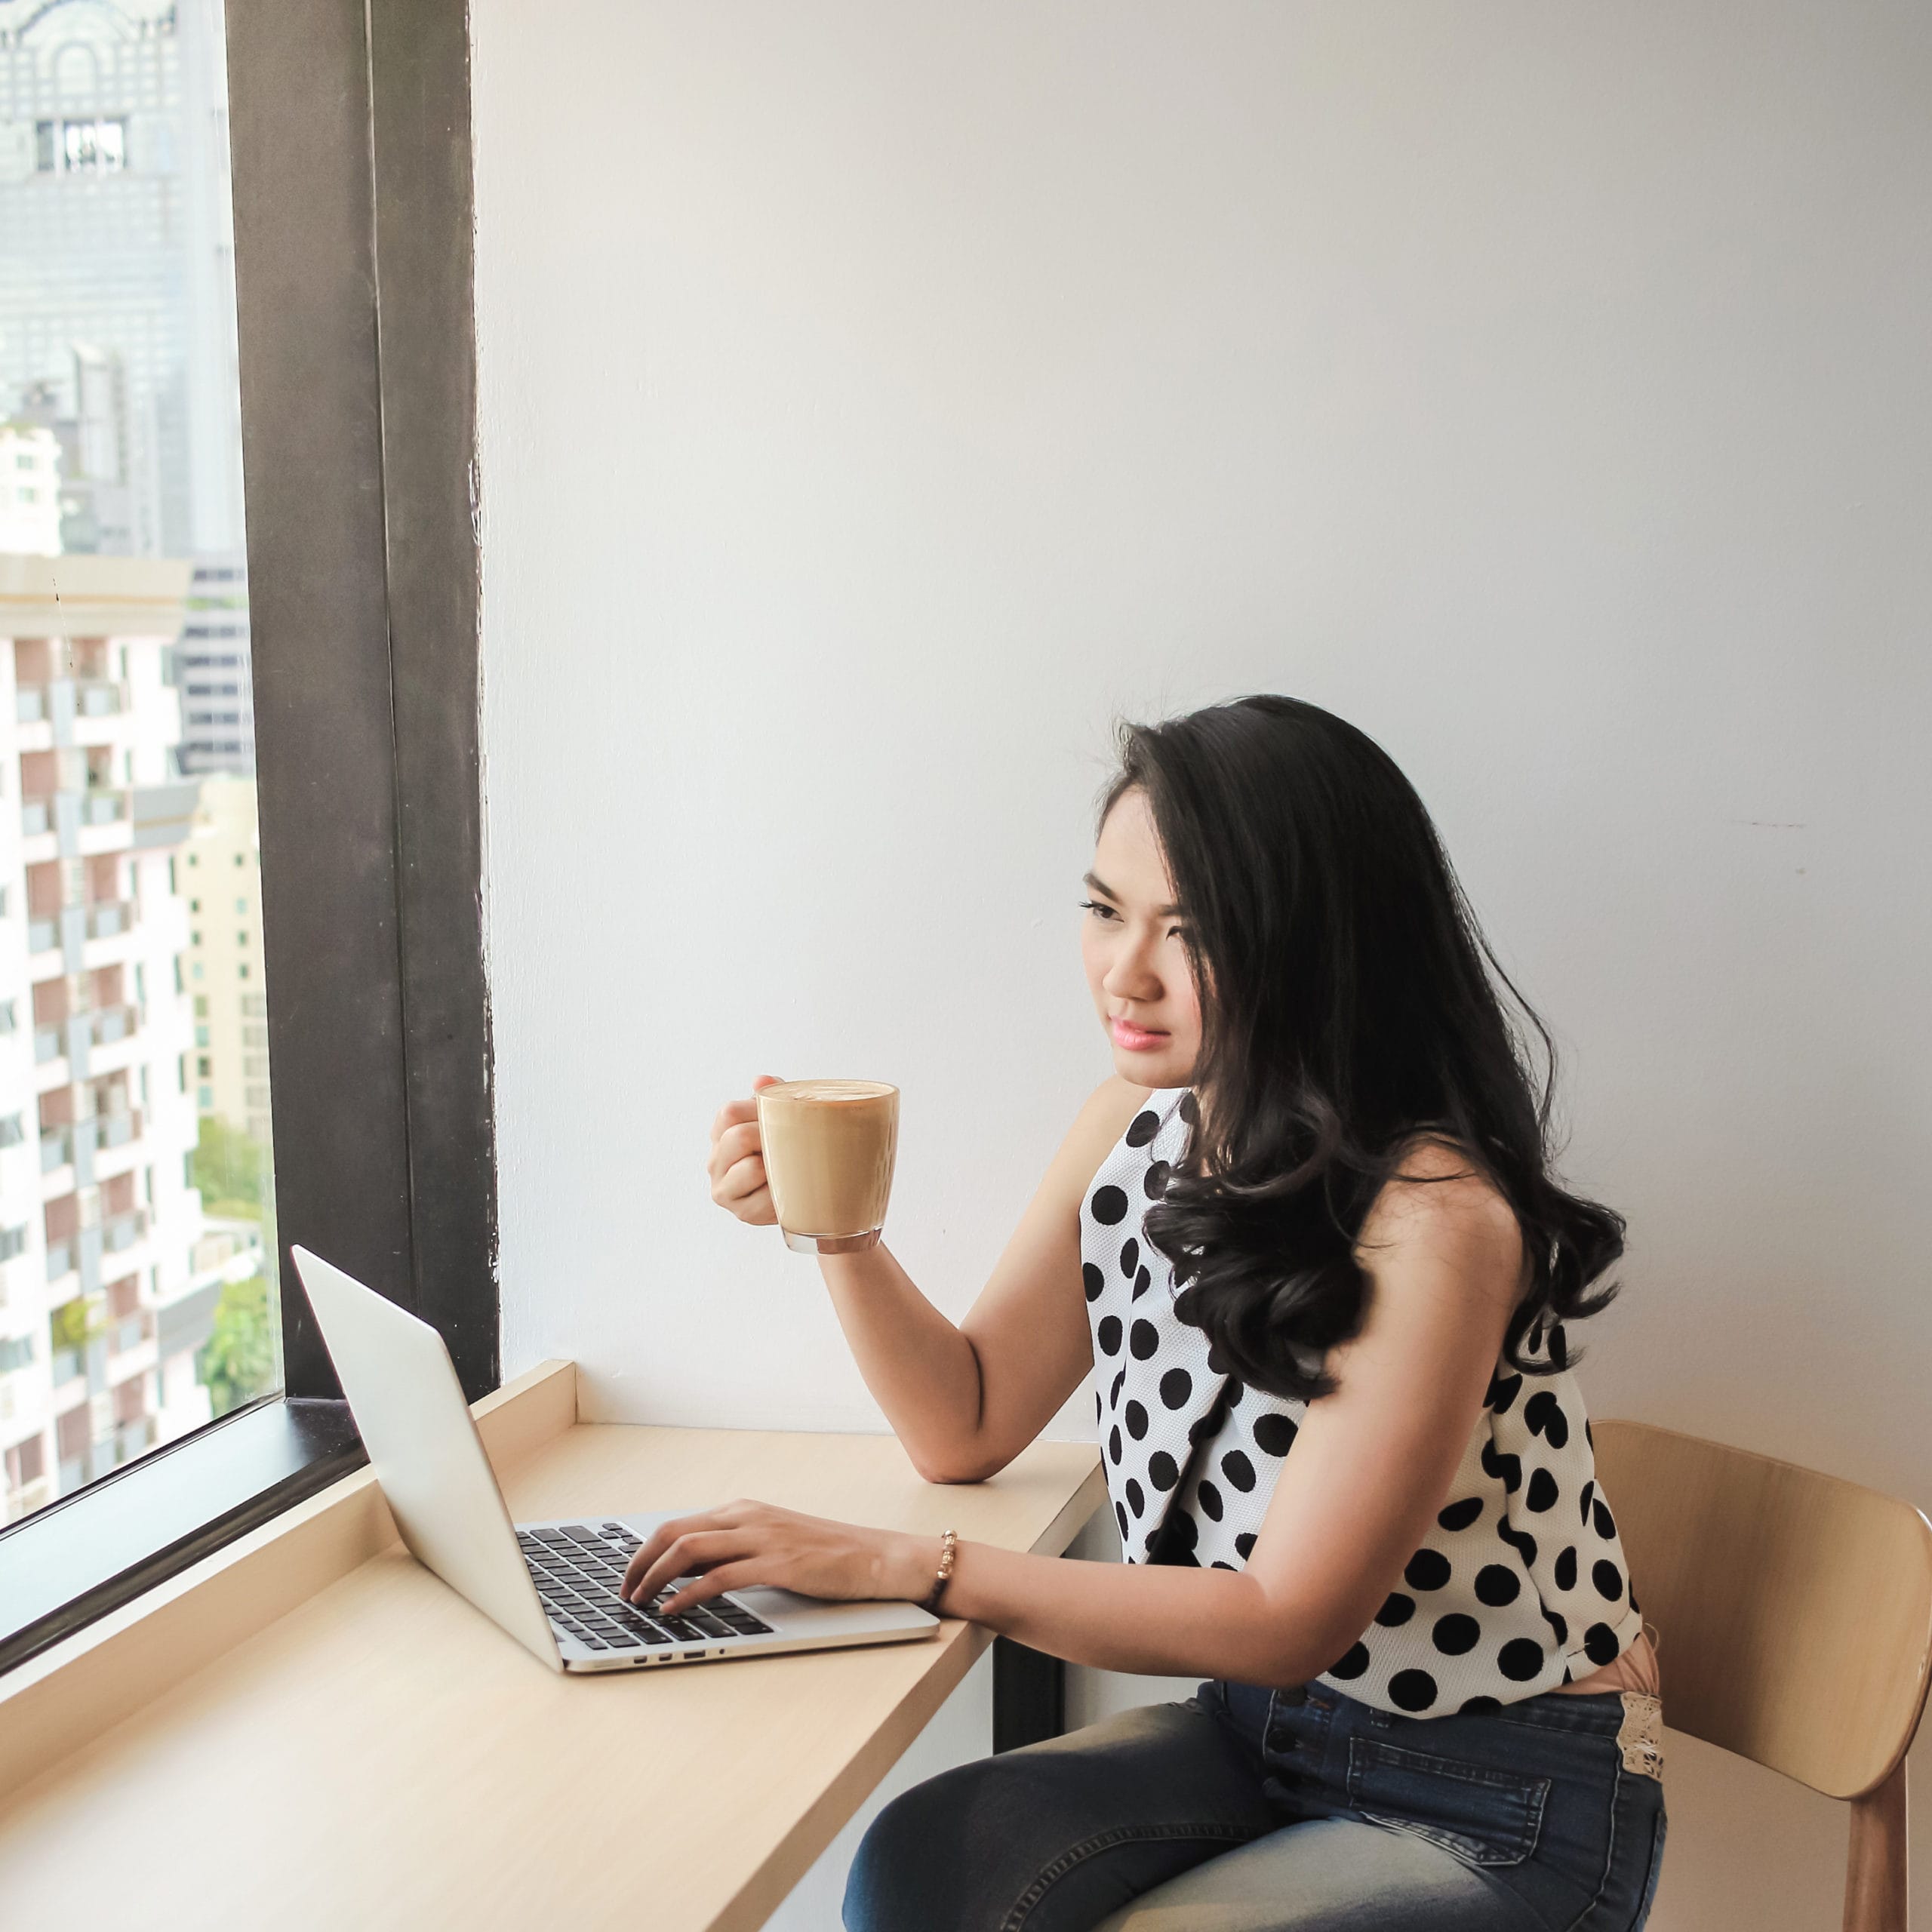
(1136, 964)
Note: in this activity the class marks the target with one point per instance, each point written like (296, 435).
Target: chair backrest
(1795, 1609)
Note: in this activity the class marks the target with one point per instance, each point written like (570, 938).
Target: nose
(1131, 974)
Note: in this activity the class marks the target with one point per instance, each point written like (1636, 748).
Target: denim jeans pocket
(1482, 1816)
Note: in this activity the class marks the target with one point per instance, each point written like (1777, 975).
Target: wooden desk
(317, 1734)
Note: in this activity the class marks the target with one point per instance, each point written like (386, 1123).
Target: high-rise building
(218, 688)
(117, 287)
(110, 1274)
(29, 489)
(221, 874)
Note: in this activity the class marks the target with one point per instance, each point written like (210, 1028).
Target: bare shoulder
(1101, 1120)
(1440, 1206)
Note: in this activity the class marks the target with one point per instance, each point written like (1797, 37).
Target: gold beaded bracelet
(949, 1545)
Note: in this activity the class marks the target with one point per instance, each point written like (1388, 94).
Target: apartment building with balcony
(108, 1276)
(220, 873)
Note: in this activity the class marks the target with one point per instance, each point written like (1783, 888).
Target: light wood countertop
(359, 1748)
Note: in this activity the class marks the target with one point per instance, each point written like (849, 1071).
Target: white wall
(878, 398)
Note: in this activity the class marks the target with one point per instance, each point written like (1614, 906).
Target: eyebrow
(1093, 883)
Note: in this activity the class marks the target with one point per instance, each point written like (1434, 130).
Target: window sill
(66, 1566)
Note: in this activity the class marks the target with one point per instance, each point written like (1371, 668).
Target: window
(95, 146)
(16, 1351)
(9, 1016)
(11, 1132)
(378, 1072)
(13, 1241)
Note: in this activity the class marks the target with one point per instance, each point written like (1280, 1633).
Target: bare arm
(964, 1398)
(1372, 1464)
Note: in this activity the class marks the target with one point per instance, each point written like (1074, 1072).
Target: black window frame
(351, 160)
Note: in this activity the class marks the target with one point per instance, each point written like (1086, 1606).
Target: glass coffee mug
(829, 1146)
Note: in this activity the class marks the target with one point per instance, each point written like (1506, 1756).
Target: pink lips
(1134, 1039)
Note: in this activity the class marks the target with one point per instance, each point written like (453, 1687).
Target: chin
(1152, 1070)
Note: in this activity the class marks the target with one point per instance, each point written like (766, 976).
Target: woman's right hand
(736, 1166)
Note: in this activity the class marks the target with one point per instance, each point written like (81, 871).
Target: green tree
(231, 1171)
(238, 1361)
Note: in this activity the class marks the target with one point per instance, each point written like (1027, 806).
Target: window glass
(137, 1234)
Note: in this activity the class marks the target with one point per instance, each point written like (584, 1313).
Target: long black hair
(1349, 1004)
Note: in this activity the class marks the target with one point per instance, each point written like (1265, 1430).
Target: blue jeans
(1245, 1810)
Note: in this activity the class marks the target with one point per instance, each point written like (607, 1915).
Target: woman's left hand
(745, 1543)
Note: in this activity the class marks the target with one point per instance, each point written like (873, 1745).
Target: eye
(1098, 911)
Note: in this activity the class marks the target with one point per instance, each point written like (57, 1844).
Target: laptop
(552, 1585)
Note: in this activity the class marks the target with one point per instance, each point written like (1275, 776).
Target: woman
(1308, 1243)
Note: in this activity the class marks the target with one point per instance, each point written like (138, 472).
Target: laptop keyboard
(578, 1572)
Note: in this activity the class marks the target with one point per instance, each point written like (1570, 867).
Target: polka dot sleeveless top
(1521, 1583)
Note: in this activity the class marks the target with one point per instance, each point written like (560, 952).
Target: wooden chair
(1795, 1612)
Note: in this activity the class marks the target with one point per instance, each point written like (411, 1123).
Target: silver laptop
(552, 1585)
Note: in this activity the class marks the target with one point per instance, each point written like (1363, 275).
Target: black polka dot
(1566, 1568)
(1460, 1515)
(1274, 1433)
(1588, 1437)
(1239, 1470)
(1455, 1634)
(1211, 1500)
(1183, 1529)
(1520, 1659)
(1217, 1363)
(1190, 1108)
(1100, 1406)
(1544, 1415)
(1559, 1346)
(1607, 1578)
(1583, 1502)
(1352, 1666)
(1176, 1386)
(1396, 1611)
(1136, 1421)
(1558, 1627)
(1245, 1544)
(1508, 1470)
(1204, 1425)
(1143, 1128)
(1542, 1494)
(1093, 1279)
(1163, 1472)
(1428, 1570)
(1219, 1564)
(1141, 1282)
(1136, 1496)
(1108, 1207)
(1113, 1393)
(1600, 1644)
(1113, 1443)
(1108, 1334)
(1496, 1585)
(1521, 1541)
(1154, 1182)
(1144, 1339)
(1120, 1515)
(1233, 1393)
(1130, 1256)
(1503, 1391)
(1477, 1707)
(1412, 1689)
(1605, 1522)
